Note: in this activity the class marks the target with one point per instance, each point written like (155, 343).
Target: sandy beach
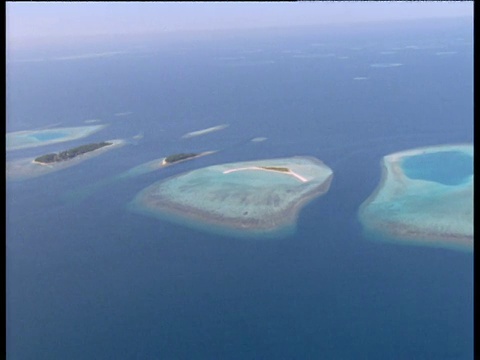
(290, 172)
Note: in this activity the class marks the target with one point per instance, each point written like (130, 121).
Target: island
(26, 168)
(71, 153)
(425, 197)
(33, 138)
(261, 198)
(176, 158)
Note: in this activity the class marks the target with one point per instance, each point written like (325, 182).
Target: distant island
(179, 157)
(71, 153)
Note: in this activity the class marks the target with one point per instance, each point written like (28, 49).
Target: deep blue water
(448, 167)
(90, 280)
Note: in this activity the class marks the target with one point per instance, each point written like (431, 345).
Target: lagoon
(33, 138)
(447, 167)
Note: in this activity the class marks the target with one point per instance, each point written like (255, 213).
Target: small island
(246, 199)
(71, 153)
(27, 168)
(176, 158)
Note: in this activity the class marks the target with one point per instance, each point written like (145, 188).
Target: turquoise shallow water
(46, 136)
(33, 138)
(447, 167)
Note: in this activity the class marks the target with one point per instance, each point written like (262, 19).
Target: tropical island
(245, 199)
(178, 157)
(71, 153)
(175, 158)
(26, 168)
(425, 197)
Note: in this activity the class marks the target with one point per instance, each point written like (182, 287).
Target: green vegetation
(71, 153)
(177, 157)
(274, 168)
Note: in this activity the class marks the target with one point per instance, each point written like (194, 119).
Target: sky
(30, 20)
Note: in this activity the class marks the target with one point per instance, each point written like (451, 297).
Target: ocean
(88, 279)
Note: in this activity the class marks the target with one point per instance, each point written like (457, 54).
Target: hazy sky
(28, 20)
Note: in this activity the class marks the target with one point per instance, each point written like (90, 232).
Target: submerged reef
(255, 198)
(204, 131)
(425, 197)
